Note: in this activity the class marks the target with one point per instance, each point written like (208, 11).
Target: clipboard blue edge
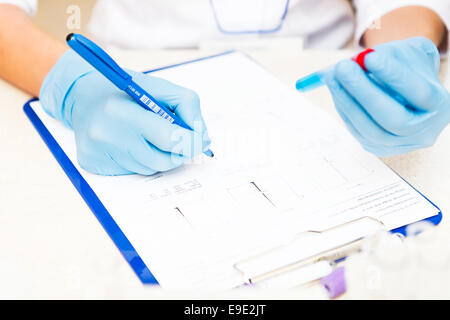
(112, 229)
(435, 220)
(94, 203)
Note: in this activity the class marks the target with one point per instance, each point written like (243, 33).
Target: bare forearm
(26, 53)
(406, 22)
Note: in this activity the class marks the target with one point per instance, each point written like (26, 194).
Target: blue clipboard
(103, 216)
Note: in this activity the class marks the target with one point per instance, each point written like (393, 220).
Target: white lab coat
(320, 24)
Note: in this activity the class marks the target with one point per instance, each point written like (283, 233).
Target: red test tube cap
(359, 59)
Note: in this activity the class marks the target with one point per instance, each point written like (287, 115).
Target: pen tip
(69, 36)
(209, 153)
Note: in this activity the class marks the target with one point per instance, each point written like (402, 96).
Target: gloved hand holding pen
(114, 135)
(400, 105)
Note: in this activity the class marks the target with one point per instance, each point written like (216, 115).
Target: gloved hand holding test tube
(390, 97)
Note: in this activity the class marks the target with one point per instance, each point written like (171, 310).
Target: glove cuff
(58, 84)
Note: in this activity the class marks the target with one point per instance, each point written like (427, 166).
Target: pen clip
(98, 52)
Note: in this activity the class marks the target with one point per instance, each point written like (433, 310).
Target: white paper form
(281, 167)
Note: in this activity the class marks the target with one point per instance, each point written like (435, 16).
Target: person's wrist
(58, 83)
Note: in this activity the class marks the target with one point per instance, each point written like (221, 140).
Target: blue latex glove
(113, 134)
(400, 105)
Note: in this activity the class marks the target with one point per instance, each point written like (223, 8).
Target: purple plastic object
(334, 283)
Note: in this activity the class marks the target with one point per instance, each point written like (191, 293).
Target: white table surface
(52, 246)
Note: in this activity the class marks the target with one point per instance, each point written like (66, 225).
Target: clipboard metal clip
(323, 248)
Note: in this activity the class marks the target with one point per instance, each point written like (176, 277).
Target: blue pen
(101, 61)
